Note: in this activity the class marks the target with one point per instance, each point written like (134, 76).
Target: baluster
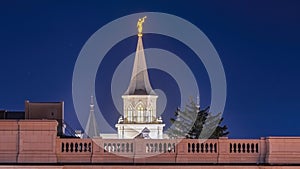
(239, 147)
(67, 147)
(127, 147)
(151, 147)
(123, 147)
(193, 147)
(76, 147)
(114, 147)
(248, 148)
(256, 147)
(215, 147)
(243, 147)
(109, 147)
(174, 148)
(105, 147)
(71, 147)
(206, 147)
(234, 147)
(197, 147)
(118, 147)
(62, 147)
(211, 147)
(85, 147)
(80, 147)
(160, 147)
(252, 148)
(90, 147)
(147, 148)
(169, 147)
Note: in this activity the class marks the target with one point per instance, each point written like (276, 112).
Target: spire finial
(92, 103)
(140, 25)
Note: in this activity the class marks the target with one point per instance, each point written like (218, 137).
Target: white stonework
(129, 131)
(139, 108)
(139, 100)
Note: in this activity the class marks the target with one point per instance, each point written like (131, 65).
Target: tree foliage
(194, 123)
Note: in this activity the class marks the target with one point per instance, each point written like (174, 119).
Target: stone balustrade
(35, 141)
(74, 150)
(197, 151)
(211, 151)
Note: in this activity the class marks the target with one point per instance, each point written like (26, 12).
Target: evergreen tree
(182, 124)
(194, 123)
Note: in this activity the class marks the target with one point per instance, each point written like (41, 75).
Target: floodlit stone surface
(139, 102)
(8, 141)
(36, 141)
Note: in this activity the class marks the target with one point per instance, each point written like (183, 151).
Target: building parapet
(35, 141)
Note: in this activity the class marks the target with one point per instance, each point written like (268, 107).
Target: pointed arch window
(149, 114)
(140, 113)
(129, 113)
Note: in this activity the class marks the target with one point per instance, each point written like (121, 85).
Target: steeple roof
(91, 128)
(139, 83)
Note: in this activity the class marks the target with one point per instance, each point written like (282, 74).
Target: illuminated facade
(139, 101)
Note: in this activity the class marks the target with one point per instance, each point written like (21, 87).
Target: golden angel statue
(140, 25)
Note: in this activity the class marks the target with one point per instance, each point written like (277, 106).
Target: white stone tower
(139, 100)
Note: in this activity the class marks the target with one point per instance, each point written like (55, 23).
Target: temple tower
(139, 100)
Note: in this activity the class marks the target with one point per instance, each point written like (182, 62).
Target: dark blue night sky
(257, 41)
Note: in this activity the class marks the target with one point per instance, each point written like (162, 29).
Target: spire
(139, 83)
(91, 128)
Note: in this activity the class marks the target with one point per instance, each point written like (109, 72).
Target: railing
(75, 145)
(197, 151)
(160, 147)
(74, 150)
(118, 147)
(34, 141)
(247, 146)
(202, 148)
(165, 150)
(245, 150)
(155, 146)
(115, 146)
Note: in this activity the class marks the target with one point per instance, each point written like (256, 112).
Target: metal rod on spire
(198, 102)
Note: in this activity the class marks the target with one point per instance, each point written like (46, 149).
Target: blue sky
(258, 43)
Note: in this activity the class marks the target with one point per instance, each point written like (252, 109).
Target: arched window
(140, 112)
(149, 114)
(129, 113)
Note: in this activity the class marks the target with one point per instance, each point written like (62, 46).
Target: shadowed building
(46, 110)
(7, 114)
